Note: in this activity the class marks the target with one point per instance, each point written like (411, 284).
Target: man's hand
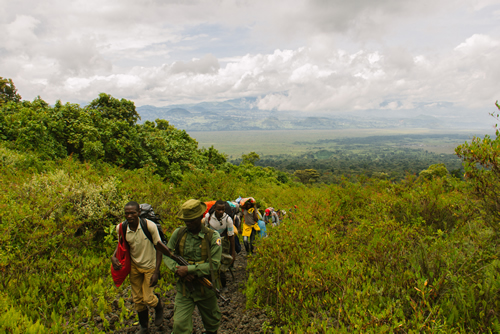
(154, 279)
(116, 264)
(182, 271)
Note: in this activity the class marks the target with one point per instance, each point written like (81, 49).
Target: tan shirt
(142, 251)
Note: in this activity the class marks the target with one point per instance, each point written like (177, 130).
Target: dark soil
(235, 319)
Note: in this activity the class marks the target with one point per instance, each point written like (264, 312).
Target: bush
(379, 257)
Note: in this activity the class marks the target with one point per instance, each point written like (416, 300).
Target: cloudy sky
(315, 56)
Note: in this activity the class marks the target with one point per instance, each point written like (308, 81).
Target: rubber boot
(158, 312)
(223, 279)
(143, 321)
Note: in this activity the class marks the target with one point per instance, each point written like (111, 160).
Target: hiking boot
(158, 312)
(223, 279)
(143, 321)
(143, 330)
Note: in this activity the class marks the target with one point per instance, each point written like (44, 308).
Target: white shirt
(220, 225)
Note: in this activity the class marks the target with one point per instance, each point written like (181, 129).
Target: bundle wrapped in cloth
(244, 200)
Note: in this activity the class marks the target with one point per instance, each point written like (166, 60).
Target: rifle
(203, 280)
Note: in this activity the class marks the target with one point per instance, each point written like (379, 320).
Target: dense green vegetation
(369, 254)
(106, 130)
(371, 156)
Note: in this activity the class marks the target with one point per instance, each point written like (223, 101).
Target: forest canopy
(105, 130)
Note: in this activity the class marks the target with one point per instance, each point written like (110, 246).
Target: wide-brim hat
(192, 209)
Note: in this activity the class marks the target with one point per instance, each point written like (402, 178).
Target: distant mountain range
(243, 114)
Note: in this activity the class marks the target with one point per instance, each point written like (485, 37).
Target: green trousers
(184, 308)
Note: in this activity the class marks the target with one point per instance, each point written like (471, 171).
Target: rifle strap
(208, 237)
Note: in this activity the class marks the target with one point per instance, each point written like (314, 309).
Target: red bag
(209, 206)
(123, 255)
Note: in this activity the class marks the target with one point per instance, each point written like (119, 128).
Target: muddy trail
(235, 319)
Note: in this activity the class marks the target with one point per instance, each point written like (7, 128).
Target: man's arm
(233, 249)
(170, 263)
(230, 235)
(156, 275)
(114, 260)
(255, 215)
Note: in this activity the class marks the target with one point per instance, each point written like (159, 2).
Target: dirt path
(235, 319)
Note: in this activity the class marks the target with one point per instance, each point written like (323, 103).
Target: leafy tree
(168, 150)
(31, 126)
(77, 132)
(250, 158)
(307, 176)
(437, 170)
(8, 91)
(214, 157)
(109, 107)
(482, 169)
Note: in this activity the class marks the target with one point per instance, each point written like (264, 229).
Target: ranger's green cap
(192, 209)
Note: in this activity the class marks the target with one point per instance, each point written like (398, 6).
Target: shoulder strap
(209, 233)
(205, 248)
(145, 230)
(124, 226)
(180, 235)
(122, 237)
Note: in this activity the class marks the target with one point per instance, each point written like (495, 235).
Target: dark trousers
(237, 245)
(249, 243)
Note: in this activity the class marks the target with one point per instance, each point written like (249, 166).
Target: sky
(311, 56)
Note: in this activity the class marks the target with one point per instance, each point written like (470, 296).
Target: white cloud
(309, 55)
(477, 43)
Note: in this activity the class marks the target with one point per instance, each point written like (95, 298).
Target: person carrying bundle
(270, 216)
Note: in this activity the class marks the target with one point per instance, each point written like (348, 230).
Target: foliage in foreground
(57, 233)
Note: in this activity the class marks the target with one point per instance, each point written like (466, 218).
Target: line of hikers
(199, 254)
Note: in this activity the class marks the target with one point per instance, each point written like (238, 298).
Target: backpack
(148, 213)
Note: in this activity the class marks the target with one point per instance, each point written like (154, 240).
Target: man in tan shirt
(145, 263)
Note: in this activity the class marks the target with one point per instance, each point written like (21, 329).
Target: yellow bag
(247, 230)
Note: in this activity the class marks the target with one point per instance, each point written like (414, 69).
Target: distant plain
(295, 142)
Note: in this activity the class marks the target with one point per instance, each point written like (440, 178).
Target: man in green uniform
(201, 247)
